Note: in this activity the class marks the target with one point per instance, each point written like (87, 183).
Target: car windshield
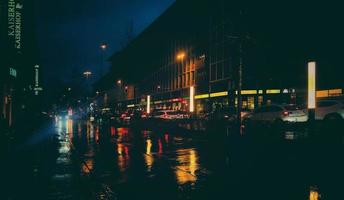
(292, 107)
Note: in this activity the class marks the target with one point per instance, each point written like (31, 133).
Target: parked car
(169, 114)
(277, 114)
(329, 110)
(225, 114)
(126, 116)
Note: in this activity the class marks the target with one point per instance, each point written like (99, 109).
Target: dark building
(197, 43)
(18, 58)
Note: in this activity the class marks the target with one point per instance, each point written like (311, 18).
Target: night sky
(70, 32)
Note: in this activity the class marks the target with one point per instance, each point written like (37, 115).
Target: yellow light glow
(148, 103)
(313, 195)
(311, 85)
(335, 92)
(219, 94)
(248, 91)
(202, 96)
(192, 95)
(273, 91)
(322, 93)
(181, 56)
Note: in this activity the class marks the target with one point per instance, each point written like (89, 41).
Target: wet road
(84, 160)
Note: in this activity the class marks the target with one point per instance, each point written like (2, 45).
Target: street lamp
(180, 56)
(87, 73)
(103, 46)
(119, 82)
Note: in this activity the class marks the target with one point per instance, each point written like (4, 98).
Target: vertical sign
(311, 84)
(148, 103)
(14, 22)
(192, 95)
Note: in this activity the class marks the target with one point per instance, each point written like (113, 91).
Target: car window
(292, 107)
(326, 103)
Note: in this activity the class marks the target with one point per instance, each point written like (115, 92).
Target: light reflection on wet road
(119, 162)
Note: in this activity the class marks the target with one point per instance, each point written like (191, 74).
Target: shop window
(250, 103)
(268, 102)
(244, 105)
(260, 100)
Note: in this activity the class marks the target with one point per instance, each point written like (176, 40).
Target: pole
(239, 104)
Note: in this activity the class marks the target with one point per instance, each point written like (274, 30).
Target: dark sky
(70, 31)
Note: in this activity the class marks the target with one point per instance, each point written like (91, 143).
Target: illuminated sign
(13, 72)
(311, 85)
(248, 91)
(335, 92)
(218, 94)
(273, 91)
(285, 91)
(202, 96)
(322, 93)
(260, 91)
(36, 75)
(131, 105)
(148, 103)
(14, 17)
(192, 94)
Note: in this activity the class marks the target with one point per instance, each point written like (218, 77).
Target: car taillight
(286, 113)
(165, 115)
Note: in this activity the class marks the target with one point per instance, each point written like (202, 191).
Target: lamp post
(311, 90)
(103, 48)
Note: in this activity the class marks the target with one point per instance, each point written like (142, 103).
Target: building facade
(201, 44)
(18, 59)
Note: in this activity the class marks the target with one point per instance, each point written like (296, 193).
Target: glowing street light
(311, 90)
(148, 103)
(87, 73)
(103, 46)
(181, 56)
(119, 82)
(192, 96)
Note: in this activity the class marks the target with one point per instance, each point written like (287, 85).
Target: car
(277, 114)
(126, 116)
(329, 110)
(168, 114)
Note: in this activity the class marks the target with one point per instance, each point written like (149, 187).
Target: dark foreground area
(72, 159)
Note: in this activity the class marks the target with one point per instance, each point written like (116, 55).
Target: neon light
(148, 103)
(192, 95)
(218, 94)
(202, 96)
(311, 85)
(248, 91)
(322, 93)
(273, 91)
(335, 92)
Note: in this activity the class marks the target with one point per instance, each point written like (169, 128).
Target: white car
(329, 110)
(277, 113)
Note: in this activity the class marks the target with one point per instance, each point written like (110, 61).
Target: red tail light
(286, 113)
